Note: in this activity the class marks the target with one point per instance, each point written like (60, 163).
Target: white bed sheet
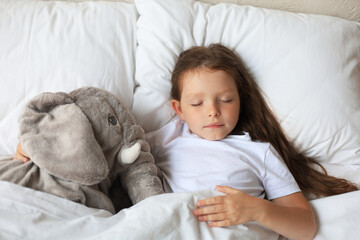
(338, 217)
(29, 214)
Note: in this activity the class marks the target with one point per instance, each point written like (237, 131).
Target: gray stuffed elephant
(79, 144)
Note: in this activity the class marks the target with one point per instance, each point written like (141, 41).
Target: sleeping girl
(225, 136)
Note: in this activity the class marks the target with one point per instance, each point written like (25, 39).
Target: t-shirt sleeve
(278, 180)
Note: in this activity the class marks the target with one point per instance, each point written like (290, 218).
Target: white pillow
(61, 46)
(307, 65)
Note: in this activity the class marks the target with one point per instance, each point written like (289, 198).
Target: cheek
(233, 113)
(192, 117)
(187, 113)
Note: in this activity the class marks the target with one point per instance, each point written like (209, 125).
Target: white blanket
(29, 214)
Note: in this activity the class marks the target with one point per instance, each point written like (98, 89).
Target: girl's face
(210, 103)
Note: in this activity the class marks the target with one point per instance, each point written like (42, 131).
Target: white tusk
(130, 154)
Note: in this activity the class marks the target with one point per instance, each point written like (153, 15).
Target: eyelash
(198, 104)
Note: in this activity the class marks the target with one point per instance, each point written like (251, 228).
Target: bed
(305, 57)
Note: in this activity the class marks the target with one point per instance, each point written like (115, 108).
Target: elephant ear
(59, 138)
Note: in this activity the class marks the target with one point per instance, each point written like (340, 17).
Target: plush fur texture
(75, 142)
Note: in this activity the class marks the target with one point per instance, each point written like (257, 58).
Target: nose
(213, 110)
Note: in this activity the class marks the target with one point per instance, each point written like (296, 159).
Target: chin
(213, 138)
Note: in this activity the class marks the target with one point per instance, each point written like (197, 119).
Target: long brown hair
(257, 119)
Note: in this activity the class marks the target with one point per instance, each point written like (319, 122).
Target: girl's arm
(290, 216)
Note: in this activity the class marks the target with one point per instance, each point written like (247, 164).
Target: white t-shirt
(191, 163)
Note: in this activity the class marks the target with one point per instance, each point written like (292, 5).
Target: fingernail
(196, 212)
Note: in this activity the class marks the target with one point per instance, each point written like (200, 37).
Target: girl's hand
(20, 154)
(236, 207)
(290, 216)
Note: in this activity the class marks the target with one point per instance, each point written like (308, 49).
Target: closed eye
(226, 100)
(196, 104)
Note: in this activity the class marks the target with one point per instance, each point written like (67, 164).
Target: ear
(58, 137)
(177, 108)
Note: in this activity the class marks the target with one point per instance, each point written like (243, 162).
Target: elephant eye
(112, 120)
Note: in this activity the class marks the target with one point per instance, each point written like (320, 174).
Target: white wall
(348, 9)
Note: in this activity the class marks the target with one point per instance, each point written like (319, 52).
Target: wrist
(261, 212)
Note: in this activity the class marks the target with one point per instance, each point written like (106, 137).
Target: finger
(213, 217)
(25, 159)
(223, 223)
(209, 210)
(210, 201)
(227, 190)
(21, 151)
(21, 158)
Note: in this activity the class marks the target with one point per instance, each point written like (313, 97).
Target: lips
(214, 125)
